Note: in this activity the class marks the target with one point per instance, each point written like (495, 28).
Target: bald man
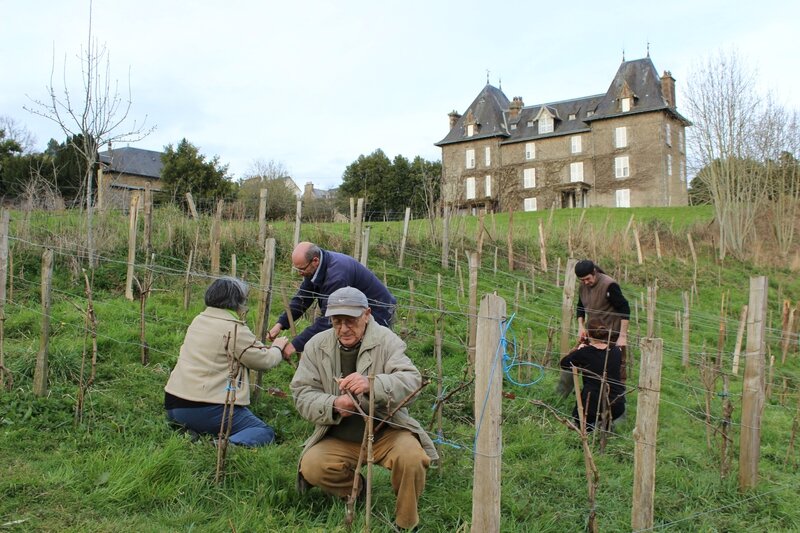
(323, 272)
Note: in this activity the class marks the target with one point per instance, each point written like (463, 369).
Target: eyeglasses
(351, 322)
(303, 268)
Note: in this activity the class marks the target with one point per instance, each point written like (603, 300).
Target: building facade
(622, 148)
(127, 171)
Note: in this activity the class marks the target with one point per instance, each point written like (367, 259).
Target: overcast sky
(314, 84)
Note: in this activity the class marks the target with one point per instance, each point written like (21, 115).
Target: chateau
(622, 148)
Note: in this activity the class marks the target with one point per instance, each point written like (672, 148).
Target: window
(513, 126)
(680, 140)
(470, 158)
(669, 164)
(470, 130)
(621, 167)
(668, 133)
(488, 186)
(530, 124)
(589, 113)
(545, 124)
(576, 171)
(623, 197)
(529, 204)
(530, 151)
(683, 170)
(487, 155)
(470, 189)
(529, 178)
(625, 105)
(571, 116)
(620, 137)
(576, 144)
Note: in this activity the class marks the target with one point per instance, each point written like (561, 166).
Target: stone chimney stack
(668, 88)
(454, 116)
(515, 107)
(308, 192)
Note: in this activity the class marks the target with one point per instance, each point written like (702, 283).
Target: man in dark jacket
(323, 272)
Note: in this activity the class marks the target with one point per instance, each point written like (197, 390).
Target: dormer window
(470, 130)
(530, 123)
(513, 126)
(589, 113)
(625, 104)
(571, 116)
(545, 124)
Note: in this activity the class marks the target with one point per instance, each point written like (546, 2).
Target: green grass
(124, 469)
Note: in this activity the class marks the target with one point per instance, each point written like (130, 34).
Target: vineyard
(87, 447)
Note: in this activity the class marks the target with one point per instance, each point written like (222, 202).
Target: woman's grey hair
(227, 293)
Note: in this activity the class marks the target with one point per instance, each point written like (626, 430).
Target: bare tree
(90, 117)
(19, 133)
(737, 138)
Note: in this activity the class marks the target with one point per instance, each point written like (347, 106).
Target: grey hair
(312, 252)
(227, 293)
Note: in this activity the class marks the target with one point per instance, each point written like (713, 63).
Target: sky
(314, 84)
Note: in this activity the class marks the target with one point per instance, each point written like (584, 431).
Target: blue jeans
(247, 430)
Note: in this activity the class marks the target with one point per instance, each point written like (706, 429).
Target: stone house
(621, 148)
(124, 172)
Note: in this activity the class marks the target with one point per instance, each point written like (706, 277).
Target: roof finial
(500, 83)
(648, 47)
(623, 54)
(487, 76)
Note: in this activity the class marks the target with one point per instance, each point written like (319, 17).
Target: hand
(622, 340)
(274, 332)
(583, 337)
(355, 383)
(344, 405)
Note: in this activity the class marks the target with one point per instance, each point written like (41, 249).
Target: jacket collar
(221, 314)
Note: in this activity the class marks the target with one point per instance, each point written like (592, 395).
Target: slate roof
(491, 108)
(134, 161)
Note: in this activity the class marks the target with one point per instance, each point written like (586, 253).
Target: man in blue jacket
(323, 272)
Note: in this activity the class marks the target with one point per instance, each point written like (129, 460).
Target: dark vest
(595, 302)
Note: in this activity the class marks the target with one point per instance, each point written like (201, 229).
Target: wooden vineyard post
(787, 335)
(357, 229)
(479, 234)
(645, 435)
(438, 335)
(147, 234)
(233, 265)
(686, 330)
(192, 207)
(473, 306)
(753, 384)
(510, 240)
(352, 219)
(133, 216)
(365, 248)
(264, 307)
(567, 310)
(40, 373)
(404, 239)
(651, 312)
(446, 236)
(298, 216)
(658, 245)
(542, 249)
(262, 217)
(639, 255)
(488, 414)
(694, 262)
(216, 229)
(187, 287)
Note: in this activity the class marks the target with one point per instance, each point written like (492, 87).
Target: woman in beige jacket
(218, 342)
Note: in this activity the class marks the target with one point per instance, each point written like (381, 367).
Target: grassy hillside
(123, 469)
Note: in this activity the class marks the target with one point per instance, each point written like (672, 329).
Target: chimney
(668, 88)
(515, 107)
(308, 192)
(454, 116)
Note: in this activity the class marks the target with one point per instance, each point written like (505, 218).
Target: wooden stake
(6, 378)
(365, 247)
(187, 288)
(488, 413)
(192, 208)
(686, 330)
(132, 223)
(298, 216)
(41, 372)
(446, 237)
(473, 306)
(567, 310)
(510, 240)
(405, 237)
(739, 336)
(262, 217)
(645, 435)
(639, 255)
(753, 385)
(357, 228)
(216, 229)
(542, 248)
(658, 245)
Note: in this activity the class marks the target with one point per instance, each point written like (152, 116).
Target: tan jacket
(201, 373)
(314, 386)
